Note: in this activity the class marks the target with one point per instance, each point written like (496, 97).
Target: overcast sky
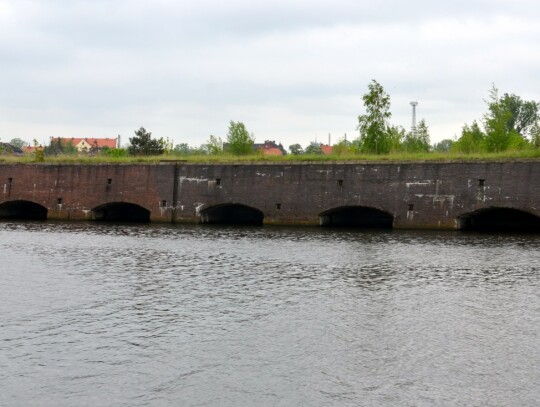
(291, 71)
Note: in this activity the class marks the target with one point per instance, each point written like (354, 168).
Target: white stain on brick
(419, 184)
(197, 180)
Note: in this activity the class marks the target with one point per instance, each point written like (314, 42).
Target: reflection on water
(112, 314)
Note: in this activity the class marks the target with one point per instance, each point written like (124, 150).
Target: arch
(499, 220)
(121, 212)
(232, 214)
(356, 216)
(21, 209)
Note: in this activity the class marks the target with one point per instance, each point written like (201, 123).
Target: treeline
(509, 124)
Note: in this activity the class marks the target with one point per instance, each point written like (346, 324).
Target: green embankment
(257, 158)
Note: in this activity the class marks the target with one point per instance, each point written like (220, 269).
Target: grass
(258, 158)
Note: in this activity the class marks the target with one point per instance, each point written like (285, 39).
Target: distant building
(270, 148)
(326, 149)
(266, 148)
(87, 144)
(8, 149)
(30, 149)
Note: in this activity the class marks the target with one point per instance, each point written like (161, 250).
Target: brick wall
(417, 195)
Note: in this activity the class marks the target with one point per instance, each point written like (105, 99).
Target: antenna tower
(413, 127)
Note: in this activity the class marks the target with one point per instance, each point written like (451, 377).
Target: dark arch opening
(25, 210)
(121, 212)
(499, 220)
(357, 216)
(232, 214)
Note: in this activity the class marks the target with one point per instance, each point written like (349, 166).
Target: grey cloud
(187, 65)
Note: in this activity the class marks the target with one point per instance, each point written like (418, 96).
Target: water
(144, 315)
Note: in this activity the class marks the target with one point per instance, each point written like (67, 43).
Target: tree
(59, 146)
(472, 139)
(509, 121)
(418, 141)
(182, 149)
(443, 146)
(373, 126)
(19, 143)
(296, 149)
(239, 141)
(396, 135)
(214, 145)
(523, 114)
(144, 144)
(343, 146)
(535, 135)
(313, 148)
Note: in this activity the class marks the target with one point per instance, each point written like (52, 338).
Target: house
(326, 149)
(30, 149)
(8, 149)
(270, 148)
(87, 144)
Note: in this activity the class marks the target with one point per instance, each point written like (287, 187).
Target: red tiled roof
(272, 151)
(98, 142)
(326, 149)
(29, 149)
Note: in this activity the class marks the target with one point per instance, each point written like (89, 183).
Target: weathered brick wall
(418, 195)
(72, 191)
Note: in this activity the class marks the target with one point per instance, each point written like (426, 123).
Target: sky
(292, 71)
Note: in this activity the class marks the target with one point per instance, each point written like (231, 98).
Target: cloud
(291, 70)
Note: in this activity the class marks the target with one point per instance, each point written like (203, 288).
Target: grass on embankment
(258, 158)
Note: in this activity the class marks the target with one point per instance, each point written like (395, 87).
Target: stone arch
(232, 214)
(21, 209)
(121, 212)
(356, 216)
(497, 219)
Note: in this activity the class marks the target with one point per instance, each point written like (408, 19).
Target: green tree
(472, 139)
(396, 135)
(373, 126)
(523, 114)
(535, 135)
(19, 143)
(313, 148)
(417, 141)
(443, 146)
(144, 144)
(496, 123)
(214, 145)
(342, 147)
(509, 121)
(239, 141)
(296, 149)
(59, 146)
(182, 149)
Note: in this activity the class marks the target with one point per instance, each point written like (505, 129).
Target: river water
(95, 314)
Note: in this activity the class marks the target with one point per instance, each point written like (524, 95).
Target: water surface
(156, 315)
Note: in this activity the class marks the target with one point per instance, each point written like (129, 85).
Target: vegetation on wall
(509, 128)
(143, 144)
(510, 123)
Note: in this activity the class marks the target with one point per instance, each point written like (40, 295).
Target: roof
(94, 142)
(272, 151)
(7, 148)
(29, 149)
(326, 149)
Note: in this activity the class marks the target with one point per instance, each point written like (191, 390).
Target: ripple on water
(169, 315)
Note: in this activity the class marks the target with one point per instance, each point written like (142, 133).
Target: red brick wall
(418, 195)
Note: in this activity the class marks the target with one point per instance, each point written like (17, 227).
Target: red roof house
(86, 144)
